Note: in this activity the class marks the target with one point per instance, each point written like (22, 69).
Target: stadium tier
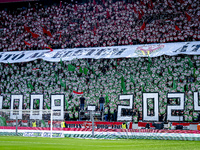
(98, 24)
(107, 77)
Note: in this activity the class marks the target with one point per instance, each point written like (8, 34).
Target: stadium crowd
(99, 23)
(106, 77)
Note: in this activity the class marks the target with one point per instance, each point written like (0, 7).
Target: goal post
(92, 109)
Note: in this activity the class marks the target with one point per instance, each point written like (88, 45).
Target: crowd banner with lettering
(130, 51)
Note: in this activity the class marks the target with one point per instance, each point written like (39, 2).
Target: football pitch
(37, 143)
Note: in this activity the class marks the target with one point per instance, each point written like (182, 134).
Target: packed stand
(106, 77)
(101, 23)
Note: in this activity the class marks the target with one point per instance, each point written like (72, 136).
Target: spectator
(101, 102)
(107, 116)
(82, 102)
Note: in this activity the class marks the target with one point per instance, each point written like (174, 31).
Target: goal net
(33, 123)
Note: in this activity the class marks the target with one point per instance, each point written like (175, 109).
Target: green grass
(37, 143)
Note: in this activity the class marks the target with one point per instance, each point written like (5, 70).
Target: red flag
(96, 9)
(49, 48)
(49, 33)
(189, 7)
(44, 30)
(60, 4)
(142, 3)
(134, 9)
(188, 16)
(177, 28)
(97, 23)
(140, 16)
(151, 4)
(108, 14)
(94, 30)
(77, 93)
(142, 12)
(94, 2)
(35, 69)
(181, 1)
(125, 7)
(27, 43)
(27, 29)
(34, 35)
(169, 4)
(143, 26)
(75, 7)
(60, 36)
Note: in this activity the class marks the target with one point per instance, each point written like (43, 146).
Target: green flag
(37, 101)
(190, 62)
(149, 60)
(61, 83)
(194, 70)
(47, 106)
(174, 84)
(88, 64)
(80, 69)
(56, 77)
(61, 62)
(132, 80)
(66, 103)
(186, 86)
(74, 109)
(85, 71)
(143, 90)
(30, 86)
(116, 64)
(93, 71)
(43, 123)
(107, 98)
(123, 87)
(149, 68)
(9, 65)
(71, 67)
(169, 71)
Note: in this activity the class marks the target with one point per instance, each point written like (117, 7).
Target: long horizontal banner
(106, 133)
(151, 50)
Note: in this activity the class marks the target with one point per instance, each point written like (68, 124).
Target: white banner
(151, 50)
